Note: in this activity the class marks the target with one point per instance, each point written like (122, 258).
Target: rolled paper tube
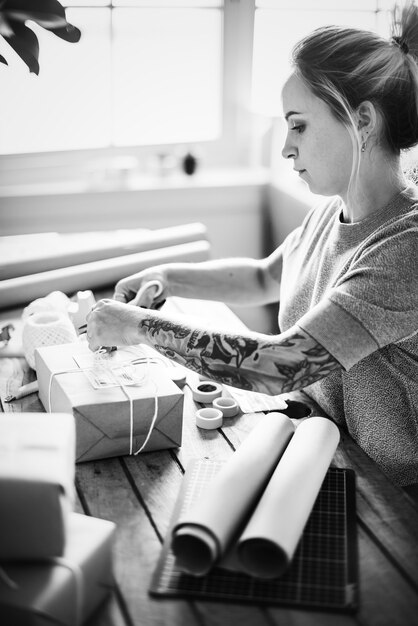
(206, 391)
(96, 274)
(196, 549)
(231, 495)
(269, 541)
(46, 329)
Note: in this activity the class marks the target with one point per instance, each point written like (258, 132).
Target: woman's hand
(112, 323)
(127, 288)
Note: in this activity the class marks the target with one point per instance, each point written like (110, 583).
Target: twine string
(103, 362)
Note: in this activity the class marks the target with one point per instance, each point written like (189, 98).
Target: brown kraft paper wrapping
(103, 415)
(61, 592)
(36, 483)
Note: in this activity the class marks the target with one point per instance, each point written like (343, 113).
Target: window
(280, 24)
(148, 78)
(143, 73)
(154, 77)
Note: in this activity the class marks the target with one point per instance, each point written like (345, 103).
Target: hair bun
(401, 43)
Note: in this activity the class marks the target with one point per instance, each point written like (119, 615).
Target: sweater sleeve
(375, 303)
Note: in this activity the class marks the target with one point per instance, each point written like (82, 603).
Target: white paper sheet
(252, 402)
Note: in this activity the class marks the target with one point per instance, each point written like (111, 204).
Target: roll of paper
(269, 541)
(203, 534)
(102, 273)
(46, 329)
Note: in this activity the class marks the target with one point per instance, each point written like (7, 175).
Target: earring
(364, 144)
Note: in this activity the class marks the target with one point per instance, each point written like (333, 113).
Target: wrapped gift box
(103, 415)
(66, 590)
(36, 483)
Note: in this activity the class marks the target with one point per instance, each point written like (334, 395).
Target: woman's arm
(242, 281)
(254, 361)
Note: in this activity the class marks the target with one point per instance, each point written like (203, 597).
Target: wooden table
(138, 493)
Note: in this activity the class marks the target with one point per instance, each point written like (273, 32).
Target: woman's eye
(299, 128)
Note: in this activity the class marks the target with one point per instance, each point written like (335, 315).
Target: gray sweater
(354, 288)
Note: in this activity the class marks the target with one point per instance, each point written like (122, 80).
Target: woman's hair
(346, 66)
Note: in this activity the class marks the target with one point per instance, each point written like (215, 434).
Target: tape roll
(177, 375)
(227, 406)
(209, 418)
(206, 391)
(46, 329)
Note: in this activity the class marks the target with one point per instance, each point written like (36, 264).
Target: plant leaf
(25, 43)
(50, 13)
(5, 28)
(46, 20)
(68, 33)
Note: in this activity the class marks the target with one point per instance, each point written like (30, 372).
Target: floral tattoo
(270, 365)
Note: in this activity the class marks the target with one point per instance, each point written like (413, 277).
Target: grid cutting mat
(323, 572)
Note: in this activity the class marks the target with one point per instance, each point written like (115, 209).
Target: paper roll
(46, 329)
(203, 533)
(269, 541)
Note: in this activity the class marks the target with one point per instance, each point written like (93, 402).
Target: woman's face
(318, 143)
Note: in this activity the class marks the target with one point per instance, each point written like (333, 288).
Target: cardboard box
(103, 424)
(36, 483)
(66, 591)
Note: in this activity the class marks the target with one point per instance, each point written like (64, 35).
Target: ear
(367, 118)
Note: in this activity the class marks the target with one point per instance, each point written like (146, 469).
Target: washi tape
(206, 391)
(177, 375)
(209, 418)
(227, 406)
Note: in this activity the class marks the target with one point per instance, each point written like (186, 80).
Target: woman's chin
(319, 190)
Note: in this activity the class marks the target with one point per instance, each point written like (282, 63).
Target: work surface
(139, 493)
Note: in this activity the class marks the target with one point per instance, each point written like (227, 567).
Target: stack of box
(55, 565)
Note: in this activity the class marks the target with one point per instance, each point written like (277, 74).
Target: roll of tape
(209, 418)
(46, 329)
(227, 406)
(206, 391)
(177, 375)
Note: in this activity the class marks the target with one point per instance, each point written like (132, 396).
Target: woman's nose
(289, 149)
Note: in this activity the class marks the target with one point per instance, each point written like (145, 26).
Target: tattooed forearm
(261, 363)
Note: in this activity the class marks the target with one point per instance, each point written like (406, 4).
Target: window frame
(229, 150)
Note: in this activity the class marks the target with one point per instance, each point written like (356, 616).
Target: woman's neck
(380, 179)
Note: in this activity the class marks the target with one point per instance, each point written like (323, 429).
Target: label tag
(103, 371)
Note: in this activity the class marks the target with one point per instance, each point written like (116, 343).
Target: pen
(24, 390)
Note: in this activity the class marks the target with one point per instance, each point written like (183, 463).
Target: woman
(347, 278)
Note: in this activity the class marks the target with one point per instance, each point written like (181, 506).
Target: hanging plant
(47, 13)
